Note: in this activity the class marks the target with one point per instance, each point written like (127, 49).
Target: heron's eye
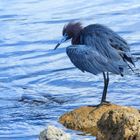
(65, 34)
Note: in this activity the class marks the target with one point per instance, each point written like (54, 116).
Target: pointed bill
(63, 39)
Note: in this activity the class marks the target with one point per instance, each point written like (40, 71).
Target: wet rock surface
(107, 122)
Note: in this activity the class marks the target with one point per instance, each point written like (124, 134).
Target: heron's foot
(101, 104)
(104, 103)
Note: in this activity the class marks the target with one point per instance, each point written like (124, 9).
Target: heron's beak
(64, 38)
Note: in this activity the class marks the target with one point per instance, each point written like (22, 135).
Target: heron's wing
(112, 37)
(87, 59)
(106, 42)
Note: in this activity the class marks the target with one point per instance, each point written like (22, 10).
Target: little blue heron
(97, 49)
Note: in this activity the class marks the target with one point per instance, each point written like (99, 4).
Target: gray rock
(53, 133)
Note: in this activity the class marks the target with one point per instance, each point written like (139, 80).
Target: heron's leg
(106, 82)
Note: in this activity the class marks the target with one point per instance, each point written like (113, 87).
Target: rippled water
(34, 92)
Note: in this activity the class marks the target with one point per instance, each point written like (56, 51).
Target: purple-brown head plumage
(70, 31)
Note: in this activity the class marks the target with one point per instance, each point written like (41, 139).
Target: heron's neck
(76, 39)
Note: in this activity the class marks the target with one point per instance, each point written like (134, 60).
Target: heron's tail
(135, 56)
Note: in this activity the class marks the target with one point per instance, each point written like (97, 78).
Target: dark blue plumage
(97, 49)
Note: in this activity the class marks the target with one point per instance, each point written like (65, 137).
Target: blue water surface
(33, 91)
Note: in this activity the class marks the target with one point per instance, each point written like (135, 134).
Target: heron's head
(70, 30)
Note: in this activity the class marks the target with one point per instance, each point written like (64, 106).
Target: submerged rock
(53, 133)
(106, 122)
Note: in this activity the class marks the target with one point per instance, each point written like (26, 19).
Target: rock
(120, 124)
(90, 119)
(53, 133)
